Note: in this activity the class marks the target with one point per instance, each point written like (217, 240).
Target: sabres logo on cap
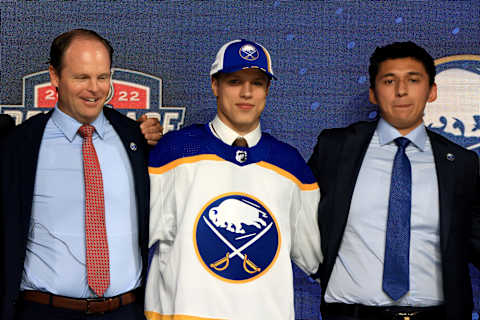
(248, 52)
(236, 237)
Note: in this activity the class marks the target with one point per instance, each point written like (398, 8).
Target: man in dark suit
(54, 220)
(6, 124)
(399, 213)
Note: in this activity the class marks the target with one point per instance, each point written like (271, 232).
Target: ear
(54, 76)
(371, 96)
(215, 86)
(432, 96)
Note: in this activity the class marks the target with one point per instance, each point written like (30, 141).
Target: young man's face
(241, 98)
(84, 80)
(401, 91)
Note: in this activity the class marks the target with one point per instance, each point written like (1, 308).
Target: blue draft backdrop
(320, 54)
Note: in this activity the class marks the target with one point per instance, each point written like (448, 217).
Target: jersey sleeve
(306, 243)
(163, 226)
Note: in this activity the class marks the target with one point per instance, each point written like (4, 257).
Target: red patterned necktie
(98, 265)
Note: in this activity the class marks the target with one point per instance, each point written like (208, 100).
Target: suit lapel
(127, 134)
(136, 148)
(29, 150)
(446, 184)
(352, 152)
(133, 143)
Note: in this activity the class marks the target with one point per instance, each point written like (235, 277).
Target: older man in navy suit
(74, 197)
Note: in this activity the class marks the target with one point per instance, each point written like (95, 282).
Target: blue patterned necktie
(397, 246)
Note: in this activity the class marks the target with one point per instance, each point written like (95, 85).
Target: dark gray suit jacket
(18, 166)
(336, 162)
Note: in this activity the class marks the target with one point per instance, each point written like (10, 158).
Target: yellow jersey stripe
(150, 315)
(175, 163)
(288, 175)
(213, 157)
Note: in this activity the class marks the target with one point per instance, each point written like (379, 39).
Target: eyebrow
(410, 73)
(81, 74)
(260, 78)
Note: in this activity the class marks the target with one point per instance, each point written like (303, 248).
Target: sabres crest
(248, 52)
(236, 237)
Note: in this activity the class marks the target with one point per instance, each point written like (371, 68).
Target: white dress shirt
(228, 135)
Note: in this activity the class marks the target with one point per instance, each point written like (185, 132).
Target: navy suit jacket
(336, 162)
(6, 124)
(18, 166)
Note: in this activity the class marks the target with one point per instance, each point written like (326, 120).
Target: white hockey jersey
(224, 223)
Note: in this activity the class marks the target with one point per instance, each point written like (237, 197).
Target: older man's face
(84, 80)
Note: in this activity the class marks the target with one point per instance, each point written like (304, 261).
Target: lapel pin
(133, 146)
(450, 157)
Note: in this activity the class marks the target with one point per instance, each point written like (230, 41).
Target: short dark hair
(61, 43)
(399, 50)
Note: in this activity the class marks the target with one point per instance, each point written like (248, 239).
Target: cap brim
(238, 68)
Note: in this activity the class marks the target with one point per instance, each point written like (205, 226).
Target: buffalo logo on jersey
(248, 52)
(455, 114)
(236, 237)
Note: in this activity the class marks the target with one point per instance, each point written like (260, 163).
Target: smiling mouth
(90, 99)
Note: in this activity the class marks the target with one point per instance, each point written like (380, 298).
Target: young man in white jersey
(230, 206)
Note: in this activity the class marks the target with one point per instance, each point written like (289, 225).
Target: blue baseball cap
(242, 54)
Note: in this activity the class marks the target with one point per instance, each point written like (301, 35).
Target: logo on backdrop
(456, 112)
(131, 92)
(236, 237)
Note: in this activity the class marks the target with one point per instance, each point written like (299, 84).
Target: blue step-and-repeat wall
(320, 51)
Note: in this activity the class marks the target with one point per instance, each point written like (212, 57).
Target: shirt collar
(228, 135)
(387, 133)
(69, 126)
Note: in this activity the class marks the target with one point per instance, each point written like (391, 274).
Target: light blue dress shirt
(55, 258)
(358, 270)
